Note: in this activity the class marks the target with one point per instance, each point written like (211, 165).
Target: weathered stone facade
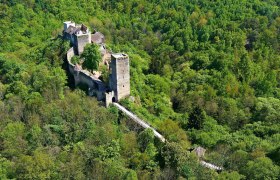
(120, 78)
(78, 35)
(95, 86)
(81, 41)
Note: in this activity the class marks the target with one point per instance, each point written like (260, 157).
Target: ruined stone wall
(109, 98)
(80, 41)
(69, 55)
(96, 87)
(119, 81)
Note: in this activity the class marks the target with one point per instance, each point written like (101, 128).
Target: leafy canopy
(92, 57)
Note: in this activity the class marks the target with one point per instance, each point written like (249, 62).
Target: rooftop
(98, 38)
(67, 22)
(76, 29)
(199, 151)
(119, 55)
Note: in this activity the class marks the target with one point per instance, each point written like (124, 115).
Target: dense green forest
(204, 73)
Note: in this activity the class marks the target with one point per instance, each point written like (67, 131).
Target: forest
(203, 73)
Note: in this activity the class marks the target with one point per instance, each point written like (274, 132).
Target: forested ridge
(204, 73)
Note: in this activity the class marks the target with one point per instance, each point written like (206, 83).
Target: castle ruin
(119, 78)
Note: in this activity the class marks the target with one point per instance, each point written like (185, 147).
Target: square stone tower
(78, 34)
(119, 77)
(82, 38)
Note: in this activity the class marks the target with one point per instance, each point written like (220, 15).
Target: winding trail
(210, 166)
(157, 134)
(139, 121)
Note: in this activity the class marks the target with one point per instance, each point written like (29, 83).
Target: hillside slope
(203, 73)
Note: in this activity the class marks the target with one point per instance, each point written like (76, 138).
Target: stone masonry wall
(96, 87)
(120, 78)
(80, 42)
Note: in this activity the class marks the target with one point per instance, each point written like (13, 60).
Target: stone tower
(82, 38)
(119, 77)
(78, 34)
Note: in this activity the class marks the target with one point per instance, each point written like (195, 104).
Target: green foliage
(210, 134)
(131, 175)
(230, 176)
(261, 168)
(104, 73)
(92, 57)
(267, 109)
(197, 118)
(39, 166)
(145, 138)
(5, 168)
(201, 73)
(174, 133)
(13, 136)
(75, 60)
(174, 156)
